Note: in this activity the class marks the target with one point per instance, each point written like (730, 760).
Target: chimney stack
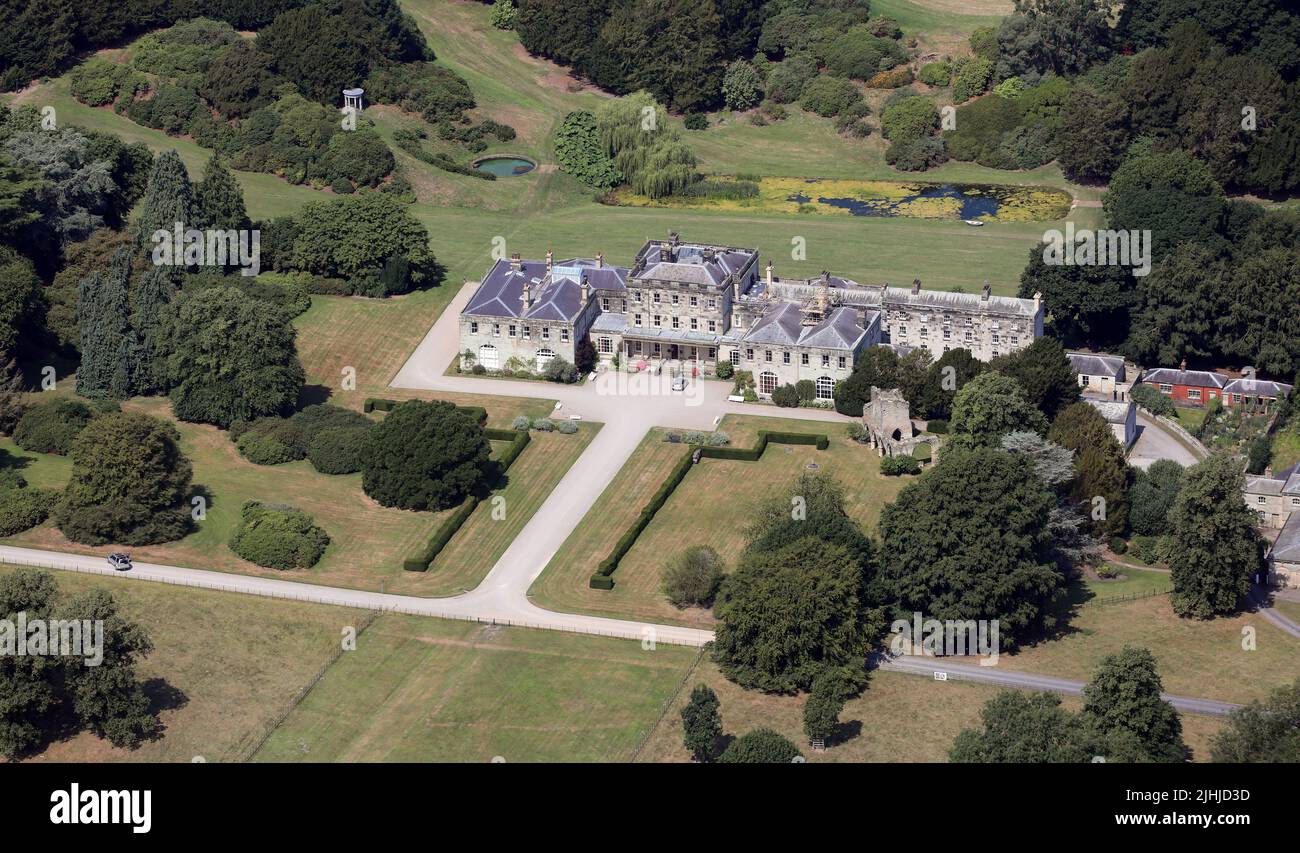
(1183, 365)
(1038, 300)
(916, 286)
(985, 292)
(585, 288)
(515, 263)
(550, 257)
(526, 297)
(769, 278)
(600, 260)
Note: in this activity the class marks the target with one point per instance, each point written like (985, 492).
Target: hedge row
(602, 579)
(379, 404)
(420, 563)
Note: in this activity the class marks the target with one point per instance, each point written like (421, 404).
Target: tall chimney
(585, 288)
(1038, 300)
(769, 278)
(515, 263)
(526, 297)
(916, 286)
(600, 260)
(550, 257)
(985, 292)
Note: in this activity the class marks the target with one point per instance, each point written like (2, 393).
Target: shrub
(1150, 398)
(1148, 549)
(521, 422)
(910, 117)
(916, 154)
(424, 456)
(806, 389)
(891, 79)
(22, 507)
(566, 427)
(1117, 545)
(278, 537)
(724, 370)
(742, 86)
(559, 370)
(786, 396)
(937, 426)
(696, 121)
(718, 439)
(761, 746)
(272, 441)
(51, 427)
(893, 466)
(828, 96)
(543, 424)
(340, 450)
(503, 14)
(935, 73)
(972, 80)
(693, 577)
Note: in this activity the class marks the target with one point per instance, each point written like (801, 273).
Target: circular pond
(505, 167)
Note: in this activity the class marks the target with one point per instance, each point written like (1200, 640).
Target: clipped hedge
(602, 579)
(420, 563)
(380, 404)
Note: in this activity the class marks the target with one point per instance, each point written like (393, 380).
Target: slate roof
(688, 263)
(1097, 364)
(1194, 378)
(1287, 546)
(1113, 411)
(783, 325)
(944, 300)
(555, 296)
(1258, 388)
(1285, 483)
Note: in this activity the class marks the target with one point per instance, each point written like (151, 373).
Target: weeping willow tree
(635, 133)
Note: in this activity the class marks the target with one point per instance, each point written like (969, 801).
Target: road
(1155, 441)
(502, 597)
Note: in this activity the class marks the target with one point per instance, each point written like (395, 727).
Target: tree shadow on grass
(845, 731)
(313, 395)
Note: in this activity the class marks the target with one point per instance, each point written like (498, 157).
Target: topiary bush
(271, 441)
(50, 427)
(278, 537)
(724, 370)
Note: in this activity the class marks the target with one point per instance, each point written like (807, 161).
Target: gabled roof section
(1258, 388)
(693, 263)
(782, 324)
(1097, 364)
(1287, 546)
(1194, 378)
(840, 330)
(555, 296)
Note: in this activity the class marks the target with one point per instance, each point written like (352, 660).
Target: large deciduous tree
(992, 405)
(226, 357)
(1123, 696)
(129, 483)
(1262, 731)
(701, 723)
(786, 614)
(1100, 468)
(971, 540)
(1214, 550)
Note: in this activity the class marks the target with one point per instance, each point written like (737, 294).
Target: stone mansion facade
(686, 306)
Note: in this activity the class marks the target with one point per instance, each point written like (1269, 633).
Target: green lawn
(898, 718)
(43, 470)
(1134, 582)
(1286, 446)
(430, 690)
(224, 666)
(367, 541)
(710, 507)
(1190, 418)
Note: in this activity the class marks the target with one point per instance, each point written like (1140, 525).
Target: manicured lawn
(224, 666)
(710, 507)
(1190, 418)
(1289, 609)
(368, 541)
(1134, 582)
(43, 470)
(898, 718)
(1196, 658)
(482, 540)
(431, 690)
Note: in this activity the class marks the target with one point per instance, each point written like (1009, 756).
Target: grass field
(898, 718)
(430, 690)
(1195, 657)
(368, 541)
(223, 667)
(708, 508)
(1134, 582)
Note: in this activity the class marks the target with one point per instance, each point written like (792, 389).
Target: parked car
(679, 384)
(119, 561)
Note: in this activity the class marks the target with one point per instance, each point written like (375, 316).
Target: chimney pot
(550, 257)
(600, 260)
(986, 291)
(916, 285)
